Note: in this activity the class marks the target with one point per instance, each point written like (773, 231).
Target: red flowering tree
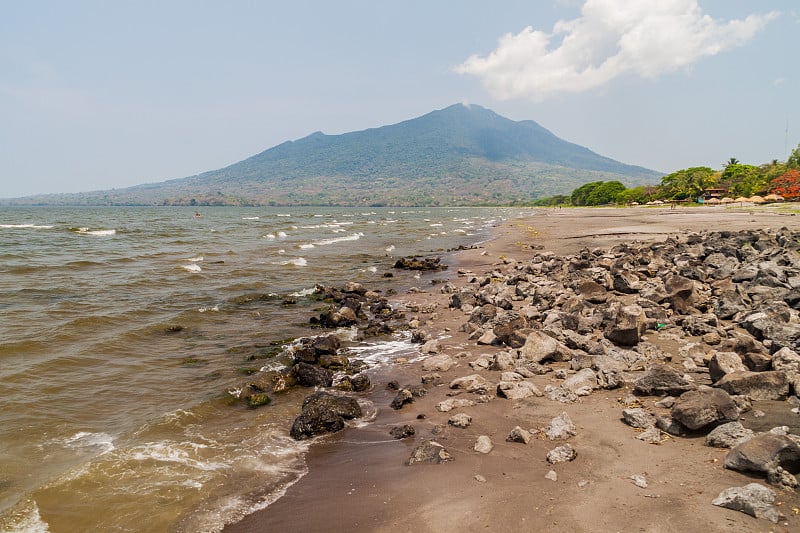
(787, 184)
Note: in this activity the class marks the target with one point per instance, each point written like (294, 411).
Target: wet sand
(358, 480)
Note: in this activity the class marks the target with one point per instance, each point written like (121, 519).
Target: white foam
(436, 225)
(270, 236)
(283, 215)
(390, 248)
(195, 259)
(26, 520)
(101, 442)
(97, 232)
(183, 453)
(24, 226)
(304, 292)
(372, 269)
(251, 218)
(306, 246)
(192, 268)
(334, 240)
(206, 309)
(386, 351)
(281, 234)
(297, 261)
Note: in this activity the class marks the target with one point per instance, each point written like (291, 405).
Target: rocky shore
(585, 370)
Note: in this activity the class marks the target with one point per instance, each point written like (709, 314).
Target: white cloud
(609, 39)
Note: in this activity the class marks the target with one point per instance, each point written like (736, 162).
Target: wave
(25, 226)
(192, 268)
(185, 453)
(26, 519)
(390, 248)
(306, 246)
(251, 218)
(334, 240)
(100, 442)
(95, 232)
(297, 261)
(195, 259)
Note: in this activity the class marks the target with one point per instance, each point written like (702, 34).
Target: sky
(99, 95)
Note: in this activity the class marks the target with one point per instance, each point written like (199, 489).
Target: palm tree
(732, 161)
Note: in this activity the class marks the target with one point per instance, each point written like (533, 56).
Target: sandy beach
(358, 479)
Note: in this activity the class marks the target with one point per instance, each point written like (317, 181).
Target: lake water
(123, 331)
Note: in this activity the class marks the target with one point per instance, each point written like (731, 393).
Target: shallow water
(123, 329)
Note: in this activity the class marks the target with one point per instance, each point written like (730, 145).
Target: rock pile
(707, 322)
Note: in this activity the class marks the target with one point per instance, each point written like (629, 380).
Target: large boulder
(728, 435)
(540, 346)
(704, 408)
(757, 385)
(661, 380)
(786, 360)
(626, 325)
(680, 292)
(764, 453)
(723, 363)
(312, 375)
(323, 412)
(582, 382)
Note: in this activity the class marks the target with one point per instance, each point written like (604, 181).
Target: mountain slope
(460, 155)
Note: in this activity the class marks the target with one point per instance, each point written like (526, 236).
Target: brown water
(122, 332)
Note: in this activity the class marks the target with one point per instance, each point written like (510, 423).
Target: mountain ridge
(459, 155)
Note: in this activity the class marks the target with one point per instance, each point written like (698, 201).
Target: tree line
(737, 179)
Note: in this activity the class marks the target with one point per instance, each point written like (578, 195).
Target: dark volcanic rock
(312, 375)
(322, 413)
(402, 432)
(763, 453)
(704, 408)
(626, 326)
(420, 263)
(661, 380)
(757, 385)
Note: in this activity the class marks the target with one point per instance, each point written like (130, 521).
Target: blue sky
(100, 95)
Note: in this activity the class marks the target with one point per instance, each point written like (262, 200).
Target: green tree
(794, 158)
(744, 180)
(687, 183)
(580, 195)
(605, 193)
